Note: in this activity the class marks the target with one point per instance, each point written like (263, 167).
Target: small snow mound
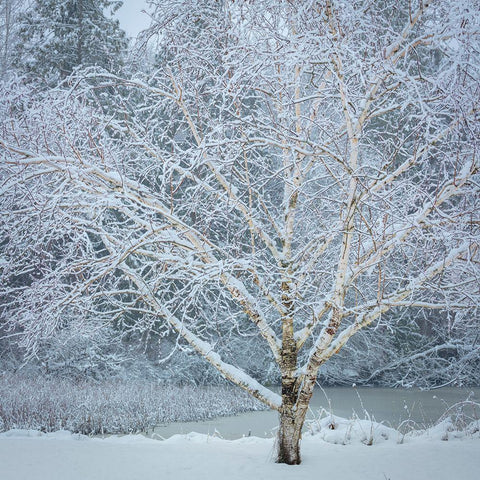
(252, 440)
(65, 435)
(21, 433)
(130, 439)
(193, 437)
(447, 429)
(58, 435)
(338, 430)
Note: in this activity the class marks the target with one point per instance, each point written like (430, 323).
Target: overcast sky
(131, 18)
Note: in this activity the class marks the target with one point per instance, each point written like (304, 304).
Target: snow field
(28, 455)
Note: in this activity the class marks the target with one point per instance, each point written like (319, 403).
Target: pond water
(421, 408)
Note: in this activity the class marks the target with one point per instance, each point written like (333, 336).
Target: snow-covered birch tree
(293, 169)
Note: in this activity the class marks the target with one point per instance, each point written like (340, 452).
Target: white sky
(131, 18)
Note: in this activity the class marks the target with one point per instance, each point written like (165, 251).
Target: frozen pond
(390, 406)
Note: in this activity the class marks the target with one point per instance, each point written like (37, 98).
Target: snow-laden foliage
(49, 405)
(289, 172)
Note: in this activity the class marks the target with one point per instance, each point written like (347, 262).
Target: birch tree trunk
(292, 413)
(289, 434)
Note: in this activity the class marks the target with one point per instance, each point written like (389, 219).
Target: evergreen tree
(9, 9)
(56, 36)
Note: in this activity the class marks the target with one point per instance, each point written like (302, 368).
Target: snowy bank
(27, 455)
(119, 407)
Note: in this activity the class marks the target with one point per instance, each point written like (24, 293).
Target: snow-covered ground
(440, 453)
